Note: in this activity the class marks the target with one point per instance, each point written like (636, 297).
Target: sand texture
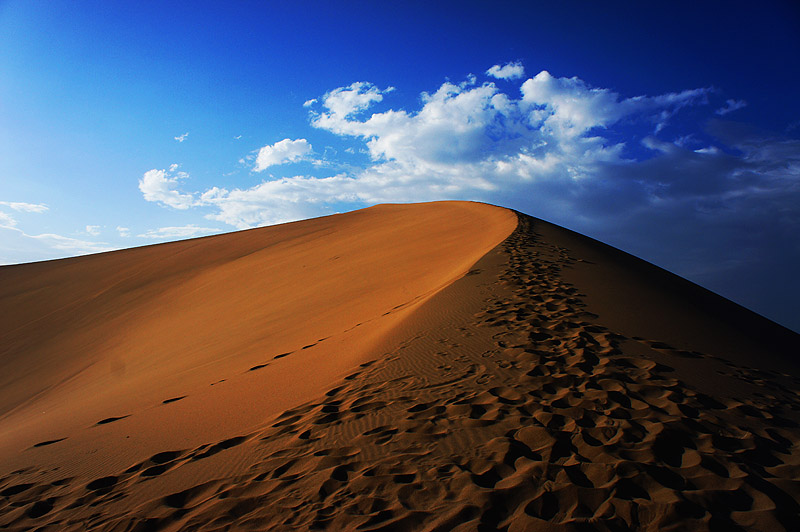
(444, 366)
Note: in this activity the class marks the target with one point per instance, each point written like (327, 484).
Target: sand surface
(444, 366)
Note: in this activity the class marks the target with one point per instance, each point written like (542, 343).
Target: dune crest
(521, 388)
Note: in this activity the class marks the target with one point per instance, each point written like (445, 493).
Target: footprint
(48, 442)
(183, 498)
(105, 483)
(14, 490)
(172, 400)
(221, 446)
(276, 357)
(507, 395)
(165, 456)
(259, 367)
(111, 420)
(40, 508)
(154, 471)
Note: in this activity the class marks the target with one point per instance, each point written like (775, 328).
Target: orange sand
(403, 367)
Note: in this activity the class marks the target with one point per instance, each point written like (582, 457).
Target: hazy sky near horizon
(671, 132)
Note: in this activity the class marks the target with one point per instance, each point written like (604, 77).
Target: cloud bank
(569, 149)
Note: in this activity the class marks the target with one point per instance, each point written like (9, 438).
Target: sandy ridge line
(505, 405)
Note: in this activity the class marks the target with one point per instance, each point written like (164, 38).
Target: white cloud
(452, 126)
(16, 245)
(159, 186)
(6, 220)
(309, 103)
(710, 150)
(181, 138)
(72, 245)
(284, 151)
(123, 231)
(186, 231)
(344, 102)
(468, 140)
(268, 203)
(731, 106)
(568, 107)
(25, 207)
(508, 71)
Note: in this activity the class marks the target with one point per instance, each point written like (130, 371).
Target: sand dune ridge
(515, 398)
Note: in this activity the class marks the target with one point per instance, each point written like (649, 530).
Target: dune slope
(544, 383)
(103, 337)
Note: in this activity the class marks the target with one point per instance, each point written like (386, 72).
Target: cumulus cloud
(284, 151)
(471, 139)
(181, 138)
(272, 202)
(186, 231)
(508, 71)
(160, 186)
(93, 230)
(468, 140)
(568, 107)
(123, 231)
(344, 102)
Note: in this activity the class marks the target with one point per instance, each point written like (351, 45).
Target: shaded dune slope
(558, 385)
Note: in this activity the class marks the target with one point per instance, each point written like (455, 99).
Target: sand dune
(445, 366)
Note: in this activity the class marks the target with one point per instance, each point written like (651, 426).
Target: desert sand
(440, 366)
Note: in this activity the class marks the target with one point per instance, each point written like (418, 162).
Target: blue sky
(672, 132)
